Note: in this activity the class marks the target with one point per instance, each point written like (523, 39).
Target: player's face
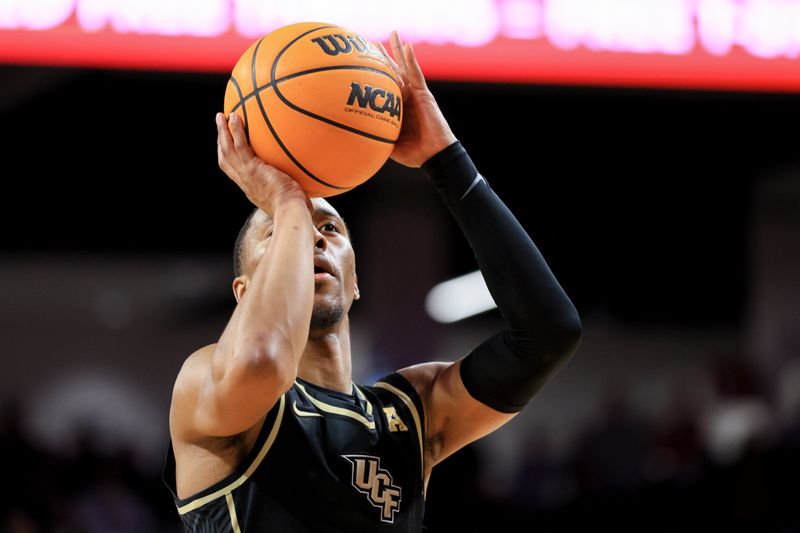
(334, 267)
(335, 281)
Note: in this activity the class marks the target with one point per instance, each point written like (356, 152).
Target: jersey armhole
(262, 445)
(400, 387)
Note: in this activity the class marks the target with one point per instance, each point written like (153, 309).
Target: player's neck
(326, 359)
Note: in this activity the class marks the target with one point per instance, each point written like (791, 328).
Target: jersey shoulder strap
(403, 391)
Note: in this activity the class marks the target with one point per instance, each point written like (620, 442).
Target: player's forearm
(543, 327)
(526, 291)
(269, 327)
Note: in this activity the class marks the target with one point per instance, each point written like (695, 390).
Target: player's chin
(326, 288)
(326, 298)
(327, 313)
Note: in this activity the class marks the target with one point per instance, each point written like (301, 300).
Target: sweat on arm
(542, 328)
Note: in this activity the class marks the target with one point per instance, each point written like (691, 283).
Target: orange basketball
(320, 103)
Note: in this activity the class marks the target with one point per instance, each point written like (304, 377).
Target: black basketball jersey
(324, 461)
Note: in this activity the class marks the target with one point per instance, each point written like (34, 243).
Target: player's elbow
(567, 333)
(271, 362)
(279, 371)
(279, 366)
(558, 337)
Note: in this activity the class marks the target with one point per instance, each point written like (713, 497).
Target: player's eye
(330, 227)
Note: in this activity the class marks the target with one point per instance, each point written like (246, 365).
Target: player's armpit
(453, 418)
(208, 403)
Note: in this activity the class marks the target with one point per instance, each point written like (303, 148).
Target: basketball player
(269, 433)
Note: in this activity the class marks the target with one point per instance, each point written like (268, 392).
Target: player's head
(333, 253)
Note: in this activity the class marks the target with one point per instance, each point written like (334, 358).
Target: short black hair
(238, 246)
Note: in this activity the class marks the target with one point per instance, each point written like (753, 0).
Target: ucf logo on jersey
(370, 479)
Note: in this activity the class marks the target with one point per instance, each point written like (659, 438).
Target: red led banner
(709, 44)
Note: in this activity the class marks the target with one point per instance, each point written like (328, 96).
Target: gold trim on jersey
(299, 412)
(191, 506)
(364, 398)
(414, 414)
(232, 513)
(332, 409)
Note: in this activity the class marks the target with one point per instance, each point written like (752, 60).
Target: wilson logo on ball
(375, 98)
(336, 43)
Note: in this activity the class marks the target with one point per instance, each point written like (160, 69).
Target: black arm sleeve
(542, 326)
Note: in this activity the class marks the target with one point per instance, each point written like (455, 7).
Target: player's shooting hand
(425, 131)
(265, 186)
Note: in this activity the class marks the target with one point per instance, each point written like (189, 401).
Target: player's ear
(356, 292)
(239, 287)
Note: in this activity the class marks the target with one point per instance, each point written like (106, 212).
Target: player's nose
(320, 241)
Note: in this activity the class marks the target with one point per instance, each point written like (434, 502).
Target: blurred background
(650, 150)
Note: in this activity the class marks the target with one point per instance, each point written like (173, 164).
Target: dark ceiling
(641, 200)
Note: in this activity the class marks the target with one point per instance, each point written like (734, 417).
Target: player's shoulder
(194, 367)
(188, 381)
(423, 372)
(415, 381)
(422, 376)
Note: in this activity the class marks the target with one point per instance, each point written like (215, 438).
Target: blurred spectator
(612, 452)
(543, 482)
(788, 400)
(676, 452)
(21, 463)
(732, 465)
(735, 376)
(109, 504)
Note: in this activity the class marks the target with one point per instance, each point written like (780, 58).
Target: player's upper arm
(453, 418)
(213, 397)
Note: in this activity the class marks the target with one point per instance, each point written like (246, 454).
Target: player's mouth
(323, 269)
